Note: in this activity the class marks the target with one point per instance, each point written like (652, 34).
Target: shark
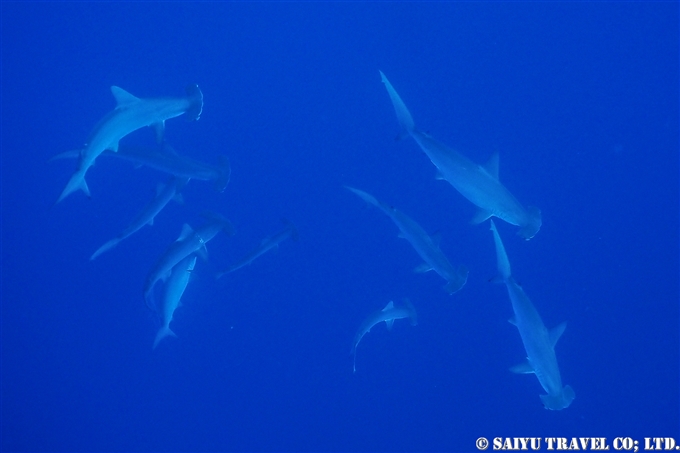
(131, 113)
(388, 314)
(426, 246)
(268, 243)
(164, 193)
(190, 241)
(539, 343)
(174, 289)
(479, 184)
(165, 159)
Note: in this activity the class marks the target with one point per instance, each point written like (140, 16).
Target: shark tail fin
(162, 333)
(108, 246)
(403, 115)
(196, 102)
(225, 174)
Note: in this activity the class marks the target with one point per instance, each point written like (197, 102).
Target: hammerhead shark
(426, 246)
(388, 315)
(131, 113)
(268, 243)
(539, 343)
(174, 289)
(165, 193)
(188, 242)
(477, 183)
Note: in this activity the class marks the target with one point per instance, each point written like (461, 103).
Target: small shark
(174, 289)
(164, 193)
(166, 160)
(131, 113)
(388, 315)
(477, 183)
(426, 246)
(539, 343)
(266, 244)
(188, 242)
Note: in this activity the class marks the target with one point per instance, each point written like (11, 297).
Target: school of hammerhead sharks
(478, 183)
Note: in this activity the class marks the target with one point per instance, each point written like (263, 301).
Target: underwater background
(579, 99)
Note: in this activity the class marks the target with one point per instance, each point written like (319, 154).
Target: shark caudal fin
(502, 262)
(225, 174)
(162, 333)
(195, 109)
(533, 224)
(108, 246)
(77, 182)
(403, 115)
(560, 401)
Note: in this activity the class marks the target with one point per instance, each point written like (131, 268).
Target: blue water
(579, 99)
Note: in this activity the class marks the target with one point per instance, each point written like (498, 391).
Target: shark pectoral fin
(556, 333)
(123, 98)
(522, 368)
(513, 321)
(202, 252)
(186, 232)
(481, 216)
(389, 323)
(159, 129)
(492, 166)
(421, 269)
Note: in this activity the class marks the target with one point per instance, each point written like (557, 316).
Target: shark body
(167, 160)
(268, 243)
(188, 242)
(131, 113)
(479, 184)
(539, 343)
(387, 315)
(174, 289)
(426, 246)
(164, 194)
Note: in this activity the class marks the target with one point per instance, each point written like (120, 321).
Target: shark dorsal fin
(556, 333)
(389, 306)
(186, 232)
(492, 165)
(123, 98)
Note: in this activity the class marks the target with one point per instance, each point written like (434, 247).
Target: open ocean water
(579, 99)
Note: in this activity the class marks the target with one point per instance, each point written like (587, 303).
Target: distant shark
(188, 242)
(268, 243)
(538, 342)
(174, 289)
(388, 315)
(166, 159)
(131, 113)
(426, 246)
(478, 184)
(164, 193)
